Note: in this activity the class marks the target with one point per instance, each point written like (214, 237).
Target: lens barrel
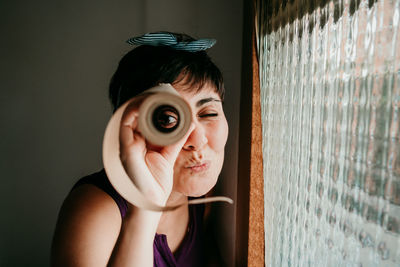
(164, 116)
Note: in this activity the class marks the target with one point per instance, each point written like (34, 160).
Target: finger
(129, 133)
(131, 112)
(125, 136)
(129, 115)
(171, 152)
(138, 137)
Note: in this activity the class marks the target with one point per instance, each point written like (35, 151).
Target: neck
(171, 219)
(176, 198)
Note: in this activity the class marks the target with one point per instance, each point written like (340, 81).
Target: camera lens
(165, 118)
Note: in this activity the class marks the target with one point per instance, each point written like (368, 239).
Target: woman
(96, 226)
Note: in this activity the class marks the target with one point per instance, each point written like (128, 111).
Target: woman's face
(200, 161)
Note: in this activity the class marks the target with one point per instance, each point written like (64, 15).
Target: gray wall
(56, 62)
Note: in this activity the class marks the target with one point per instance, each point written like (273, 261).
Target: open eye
(166, 119)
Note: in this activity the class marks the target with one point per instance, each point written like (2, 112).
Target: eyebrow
(206, 100)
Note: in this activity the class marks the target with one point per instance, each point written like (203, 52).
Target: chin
(195, 189)
(198, 194)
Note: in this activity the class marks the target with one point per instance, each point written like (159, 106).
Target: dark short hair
(147, 66)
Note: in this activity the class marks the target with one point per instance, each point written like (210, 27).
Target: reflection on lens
(165, 118)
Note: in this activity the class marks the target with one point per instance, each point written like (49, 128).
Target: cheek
(217, 136)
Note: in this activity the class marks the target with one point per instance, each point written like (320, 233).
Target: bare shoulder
(87, 228)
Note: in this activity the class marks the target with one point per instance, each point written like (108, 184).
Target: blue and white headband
(168, 39)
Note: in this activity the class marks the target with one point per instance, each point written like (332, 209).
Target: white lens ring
(149, 130)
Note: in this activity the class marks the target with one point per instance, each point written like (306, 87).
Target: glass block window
(330, 97)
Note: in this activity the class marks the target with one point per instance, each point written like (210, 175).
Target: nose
(197, 138)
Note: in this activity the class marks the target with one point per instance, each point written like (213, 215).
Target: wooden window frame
(250, 242)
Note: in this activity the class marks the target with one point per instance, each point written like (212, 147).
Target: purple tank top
(191, 251)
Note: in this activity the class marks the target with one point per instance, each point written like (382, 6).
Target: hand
(150, 168)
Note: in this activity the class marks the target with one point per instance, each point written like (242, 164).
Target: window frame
(250, 241)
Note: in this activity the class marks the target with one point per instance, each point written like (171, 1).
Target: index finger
(132, 109)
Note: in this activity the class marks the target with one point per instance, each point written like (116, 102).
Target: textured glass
(330, 92)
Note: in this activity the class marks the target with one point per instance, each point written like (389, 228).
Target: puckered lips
(199, 166)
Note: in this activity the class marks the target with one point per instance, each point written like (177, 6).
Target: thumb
(170, 153)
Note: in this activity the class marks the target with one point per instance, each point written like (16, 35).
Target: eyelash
(208, 115)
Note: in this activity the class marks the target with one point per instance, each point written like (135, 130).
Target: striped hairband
(168, 39)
